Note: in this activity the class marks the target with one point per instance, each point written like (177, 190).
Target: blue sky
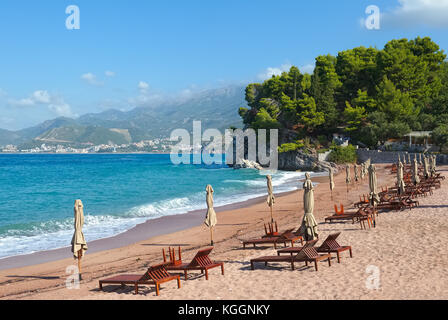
(140, 52)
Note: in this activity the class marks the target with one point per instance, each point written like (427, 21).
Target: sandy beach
(407, 249)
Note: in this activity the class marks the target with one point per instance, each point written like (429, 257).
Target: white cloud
(274, 71)
(41, 96)
(62, 109)
(91, 79)
(143, 86)
(55, 104)
(109, 74)
(26, 102)
(308, 68)
(413, 13)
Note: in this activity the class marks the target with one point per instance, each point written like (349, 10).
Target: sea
(119, 191)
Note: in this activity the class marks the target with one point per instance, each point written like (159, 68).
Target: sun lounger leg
(206, 274)
(351, 255)
(185, 272)
(136, 288)
(178, 283)
(251, 265)
(157, 289)
(222, 269)
(101, 286)
(339, 257)
(292, 265)
(329, 261)
(315, 265)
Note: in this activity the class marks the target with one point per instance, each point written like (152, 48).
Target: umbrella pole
(211, 236)
(272, 216)
(79, 263)
(331, 195)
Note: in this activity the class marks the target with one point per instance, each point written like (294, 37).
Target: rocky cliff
(299, 160)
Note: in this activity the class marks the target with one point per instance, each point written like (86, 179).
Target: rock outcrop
(299, 160)
(248, 164)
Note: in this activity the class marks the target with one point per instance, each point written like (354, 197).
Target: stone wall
(391, 156)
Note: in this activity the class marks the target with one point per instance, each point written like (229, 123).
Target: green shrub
(343, 154)
(287, 147)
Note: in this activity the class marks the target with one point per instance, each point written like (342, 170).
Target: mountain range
(216, 108)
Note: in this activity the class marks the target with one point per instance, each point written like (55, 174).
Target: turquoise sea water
(37, 193)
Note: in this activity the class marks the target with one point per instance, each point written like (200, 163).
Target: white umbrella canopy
(271, 198)
(79, 244)
(363, 170)
(308, 229)
(415, 177)
(331, 175)
(373, 195)
(332, 184)
(426, 167)
(348, 178)
(433, 165)
(355, 167)
(401, 184)
(210, 219)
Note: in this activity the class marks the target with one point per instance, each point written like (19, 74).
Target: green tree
(324, 84)
(394, 103)
(440, 136)
(354, 117)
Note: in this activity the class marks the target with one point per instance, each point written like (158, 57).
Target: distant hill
(75, 134)
(8, 137)
(217, 108)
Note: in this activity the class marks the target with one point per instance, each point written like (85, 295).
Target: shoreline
(150, 228)
(382, 246)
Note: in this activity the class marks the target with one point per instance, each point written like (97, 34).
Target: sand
(406, 251)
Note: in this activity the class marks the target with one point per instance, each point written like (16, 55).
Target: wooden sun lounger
(330, 245)
(362, 215)
(200, 262)
(307, 254)
(285, 237)
(155, 275)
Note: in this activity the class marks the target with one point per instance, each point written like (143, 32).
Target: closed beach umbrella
(401, 184)
(415, 177)
(409, 158)
(404, 159)
(332, 185)
(210, 219)
(348, 178)
(433, 165)
(363, 170)
(356, 173)
(373, 195)
(420, 161)
(426, 167)
(308, 229)
(79, 244)
(271, 199)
